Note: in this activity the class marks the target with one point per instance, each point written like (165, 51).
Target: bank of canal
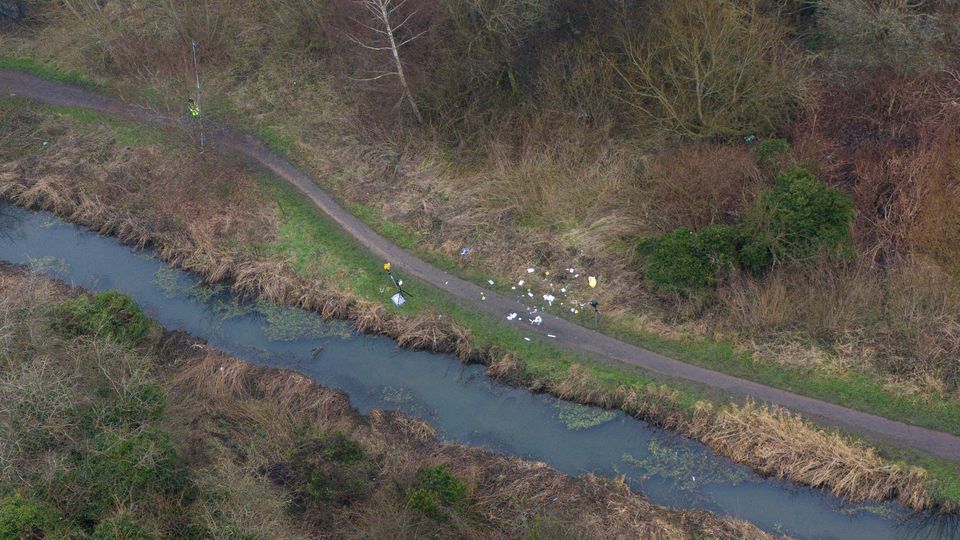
(460, 401)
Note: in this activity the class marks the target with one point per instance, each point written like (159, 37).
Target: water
(461, 402)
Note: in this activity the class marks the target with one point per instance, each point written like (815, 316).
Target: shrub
(26, 518)
(683, 260)
(772, 151)
(801, 217)
(108, 314)
(330, 467)
(437, 491)
(119, 469)
(121, 527)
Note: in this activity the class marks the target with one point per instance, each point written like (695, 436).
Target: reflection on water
(460, 401)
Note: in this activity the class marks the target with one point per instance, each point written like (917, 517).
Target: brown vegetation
(529, 156)
(194, 241)
(234, 428)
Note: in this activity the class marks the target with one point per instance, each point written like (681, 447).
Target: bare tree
(703, 68)
(385, 30)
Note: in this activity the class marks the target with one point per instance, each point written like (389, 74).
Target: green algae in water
(400, 395)
(578, 417)
(885, 510)
(405, 399)
(204, 293)
(48, 265)
(287, 324)
(166, 280)
(685, 467)
(231, 308)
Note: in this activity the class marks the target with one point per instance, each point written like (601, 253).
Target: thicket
(437, 492)
(799, 220)
(558, 130)
(329, 467)
(109, 314)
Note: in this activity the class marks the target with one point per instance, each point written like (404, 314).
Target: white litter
(520, 283)
(537, 320)
(490, 281)
(551, 335)
(530, 294)
(531, 270)
(513, 288)
(398, 299)
(549, 298)
(526, 338)
(511, 316)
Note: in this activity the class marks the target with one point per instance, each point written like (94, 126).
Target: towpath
(566, 333)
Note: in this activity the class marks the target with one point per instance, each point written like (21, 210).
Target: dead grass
(769, 440)
(782, 444)
(235, 424)
(203, 239)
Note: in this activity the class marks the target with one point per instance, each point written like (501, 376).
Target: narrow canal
(460, 401)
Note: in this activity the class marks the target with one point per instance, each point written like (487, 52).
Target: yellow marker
(386, 266)
(593, 282)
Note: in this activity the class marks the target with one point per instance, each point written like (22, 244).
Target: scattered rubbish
(513, 288)
(549, 298)
(531, 270)
(530, 294)
(44, 143)
(526, 339)
(537, 320)
(398, 299)
(551, 335)
(511, 316)
(490, 281)
(750, 138)
(520, 283)
(548, 272)
(464, 251)
(593, 282)
(386, 266)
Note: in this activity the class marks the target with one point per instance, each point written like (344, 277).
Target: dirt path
(566, 333)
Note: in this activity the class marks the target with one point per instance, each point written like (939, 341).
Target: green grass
(49, 70)
(319, 246)
(126, 132)
(854, 389)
